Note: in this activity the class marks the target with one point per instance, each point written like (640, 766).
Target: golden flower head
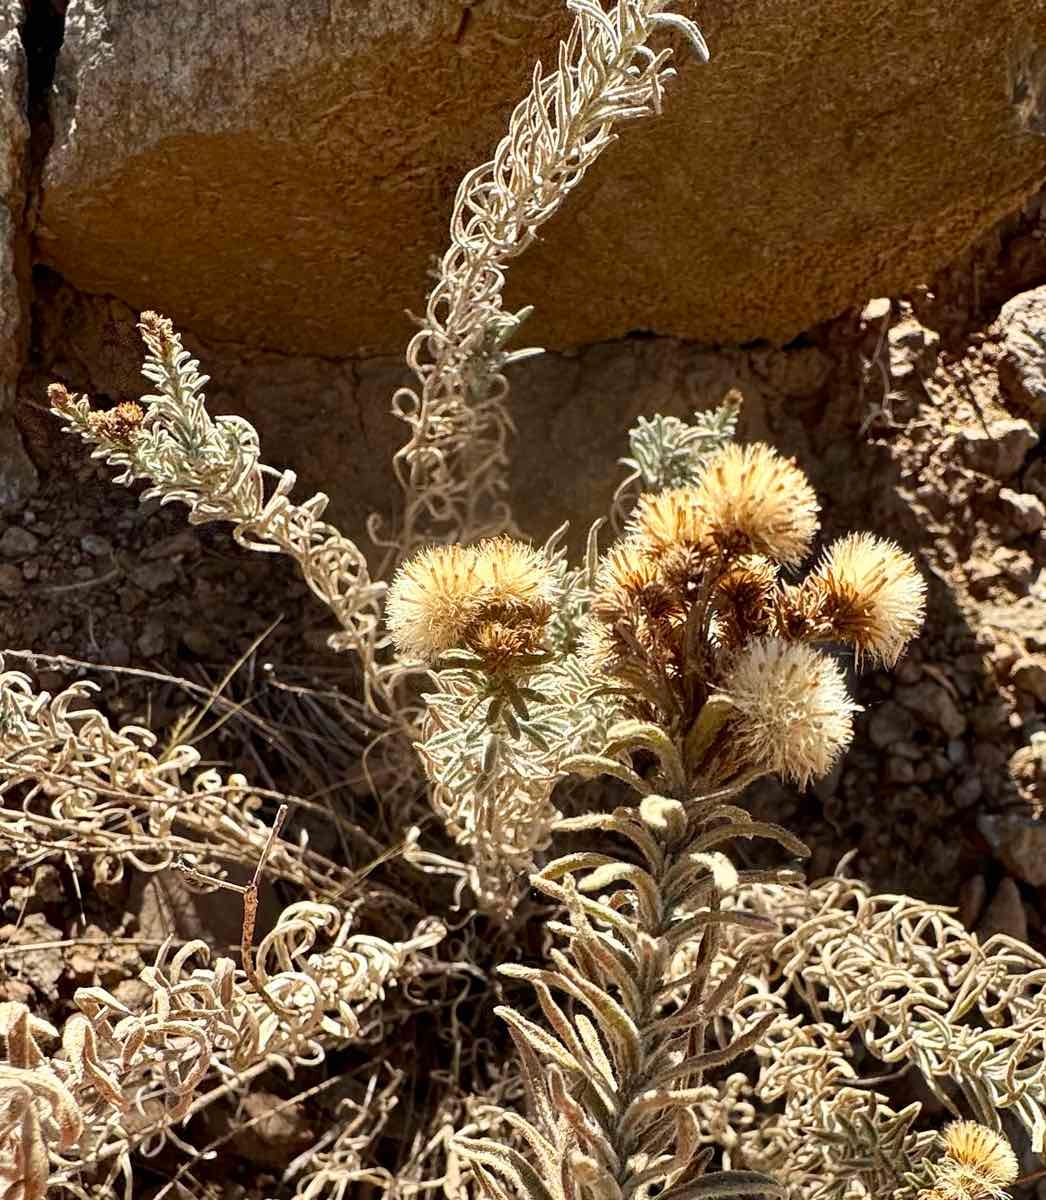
(432, 600)
(755, 501)
(493, 598)
(667, 521)
(870, 594)
(511, 572)
(977, 1161)
(793, 714)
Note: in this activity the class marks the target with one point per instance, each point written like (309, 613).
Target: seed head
(755, 501)
(870, 594)
(668, 521)
(629, 581)
(794, 716)
(977, 1162)
(118, 424)
(511, 572)
(492, 598)
(432, 600)
(743, 600)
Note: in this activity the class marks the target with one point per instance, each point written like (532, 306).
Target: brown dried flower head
(869, 593)
(977, 1162)
(432, 600)
(743, 600)
(629, 581)
(794, 716)
(117, 424)
(755, 501)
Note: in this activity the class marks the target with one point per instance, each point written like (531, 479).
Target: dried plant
(688, 1021)
(125, 1076)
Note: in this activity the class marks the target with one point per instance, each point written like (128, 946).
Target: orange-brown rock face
(284, 181)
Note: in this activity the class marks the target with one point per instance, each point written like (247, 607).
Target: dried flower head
(669, 521)
(117, 424)
(432, 600)
(512, 573)
(755, 501)
(869, 593)
(743, 600)
(794, 716)
(506, 644)
(629, 581)
(977, 1162)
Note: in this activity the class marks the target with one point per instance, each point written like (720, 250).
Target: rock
(1025, 512)
(877, 309)
(96, 545)
(17, 542)
(42, 965)
(968, 792)
(154, 576)
(933, 703)
(1029, 675)
(294, 148)
(899, 770)
(1005, 914)
(889, 724)
(1021, 330)
(276, 1132)
(972, 895)
(11, 581)
(17, 474)
(911, 348)
(152, 639)
(116, 653)
(198, 640)
(999, 450)
(1018, 842)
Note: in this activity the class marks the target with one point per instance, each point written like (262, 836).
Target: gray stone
(1025, 512)
(11, 582)
(1005, 914)
(96, 545)
(1018, 842)
(17, 474)
(933, 704)
(152, 639)
(293, 148)
(154, 576)
(968, 792)
(889, 724)
(17, 542)
(1021, 329)
(999, 450)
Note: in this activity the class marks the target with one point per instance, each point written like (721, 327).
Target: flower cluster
(691, 612)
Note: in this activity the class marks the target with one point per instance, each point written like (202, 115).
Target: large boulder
(17, 476)
(285, 180)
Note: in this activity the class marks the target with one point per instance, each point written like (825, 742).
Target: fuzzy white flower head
(794, 716)
(872, 595)
(432, 599)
